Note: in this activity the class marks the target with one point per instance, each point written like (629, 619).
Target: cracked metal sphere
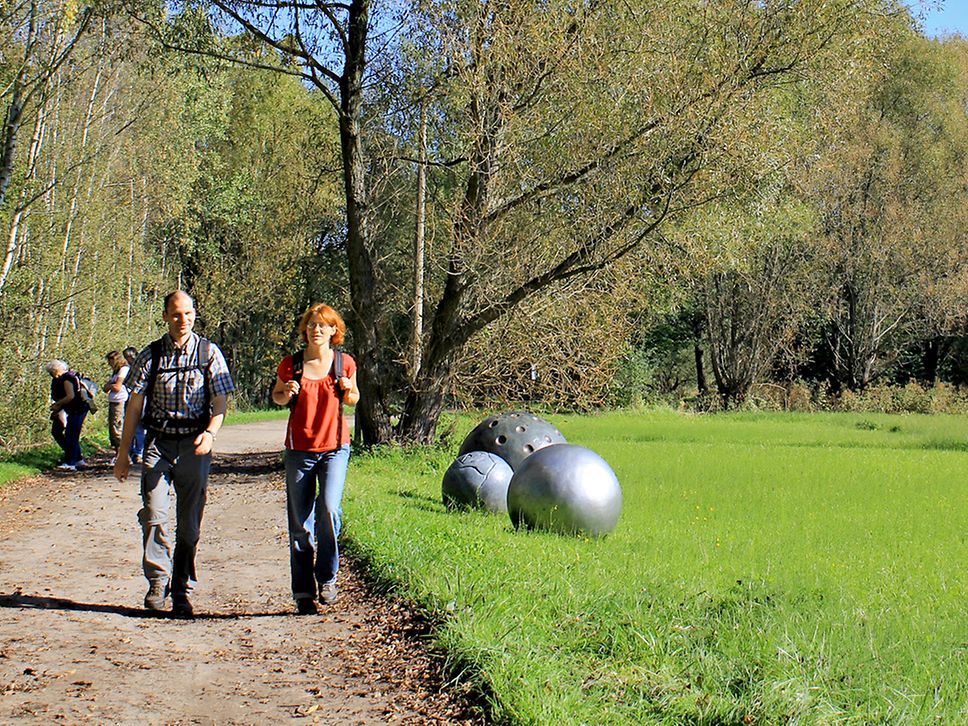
(513, 436)
(477, 480)
(567, 489)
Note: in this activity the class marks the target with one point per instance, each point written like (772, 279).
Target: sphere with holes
(477, 480)
(513, 436)
(566, 489)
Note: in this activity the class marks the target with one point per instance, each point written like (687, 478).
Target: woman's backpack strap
(338, 369)
(297, 372)
(337, 374)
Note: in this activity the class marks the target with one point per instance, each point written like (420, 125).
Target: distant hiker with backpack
(117, 398)
(315, 383)
(67, 413)
(181, 382)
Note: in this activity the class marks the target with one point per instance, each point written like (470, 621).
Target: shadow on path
(254, 464)
(39, 602)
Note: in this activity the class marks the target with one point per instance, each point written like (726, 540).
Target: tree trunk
(423, 407)
(701, 383)
(372, 412)
(11, 127)
(416, 350)
(934, 352)
(20, 213)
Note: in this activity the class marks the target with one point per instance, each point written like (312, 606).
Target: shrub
(910, 398)
(799, 397)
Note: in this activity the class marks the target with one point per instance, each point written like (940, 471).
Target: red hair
(328, 316)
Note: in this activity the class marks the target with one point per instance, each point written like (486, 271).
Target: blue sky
(952, 17)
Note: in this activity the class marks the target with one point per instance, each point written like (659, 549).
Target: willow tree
(890, 191)
(570, 134)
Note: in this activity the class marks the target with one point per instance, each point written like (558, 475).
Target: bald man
(181, 382)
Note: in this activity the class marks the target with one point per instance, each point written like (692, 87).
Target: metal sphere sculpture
(477, 480)
(513, 436)
(566, 489)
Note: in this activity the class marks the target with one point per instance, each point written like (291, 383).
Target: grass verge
(35, 460)
(234, 418)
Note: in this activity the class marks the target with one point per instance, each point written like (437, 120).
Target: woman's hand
(283, 391)
(351, 394)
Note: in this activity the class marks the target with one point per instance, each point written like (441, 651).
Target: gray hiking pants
(172, 463)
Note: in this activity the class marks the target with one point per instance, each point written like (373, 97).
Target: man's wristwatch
(210, 433)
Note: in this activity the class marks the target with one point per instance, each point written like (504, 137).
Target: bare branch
(552, 185)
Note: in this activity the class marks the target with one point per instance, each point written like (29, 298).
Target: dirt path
(76, 646)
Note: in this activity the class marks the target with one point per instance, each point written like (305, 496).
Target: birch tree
(39, 39)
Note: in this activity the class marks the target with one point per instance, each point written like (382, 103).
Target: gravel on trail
(76, 645)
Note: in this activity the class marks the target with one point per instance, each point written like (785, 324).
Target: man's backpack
(87, 390)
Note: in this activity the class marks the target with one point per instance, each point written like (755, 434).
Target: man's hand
(204, 442)
(121, 467)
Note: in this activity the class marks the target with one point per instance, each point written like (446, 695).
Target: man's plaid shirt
(180, 395)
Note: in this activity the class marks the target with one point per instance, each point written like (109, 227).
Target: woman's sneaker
(66, 467)
(327, 593)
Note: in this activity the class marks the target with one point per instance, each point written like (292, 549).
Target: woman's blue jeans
(315, 516)
(69, 437)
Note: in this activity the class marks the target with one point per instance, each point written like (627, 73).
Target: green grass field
(766, 569)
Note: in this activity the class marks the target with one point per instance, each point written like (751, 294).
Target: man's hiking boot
(306, 606)
(327, 593)
(181, 607)
(155, 597)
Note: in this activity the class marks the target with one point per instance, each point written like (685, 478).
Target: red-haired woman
(317, 449)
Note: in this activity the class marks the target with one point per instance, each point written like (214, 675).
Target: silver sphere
(477, 480)
(513, 436)
(567, 489)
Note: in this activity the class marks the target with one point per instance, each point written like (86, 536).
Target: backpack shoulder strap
(297, 371)
(337, 374)
(153, 359)
(205, 353)
(338, 363)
